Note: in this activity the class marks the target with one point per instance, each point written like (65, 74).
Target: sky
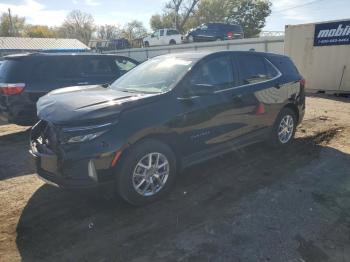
(119, 12)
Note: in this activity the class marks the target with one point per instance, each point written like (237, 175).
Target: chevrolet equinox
(168, 113)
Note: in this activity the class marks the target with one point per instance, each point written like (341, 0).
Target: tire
(146, 44)
(133, 171)
(280, 138)
(172, 42)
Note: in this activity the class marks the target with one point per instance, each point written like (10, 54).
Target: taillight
(302, 82)
(11, 89)
(229, 35)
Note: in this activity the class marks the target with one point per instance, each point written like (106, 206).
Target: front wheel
(284, 128)
(147, 172)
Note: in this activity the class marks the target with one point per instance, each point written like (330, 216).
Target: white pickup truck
(166, 36)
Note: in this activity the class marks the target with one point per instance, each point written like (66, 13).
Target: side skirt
(243, 141)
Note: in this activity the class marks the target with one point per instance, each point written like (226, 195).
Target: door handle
(83, 83)
(237, 97)
(277, 85)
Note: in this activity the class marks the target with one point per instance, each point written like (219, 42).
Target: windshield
(157, 75)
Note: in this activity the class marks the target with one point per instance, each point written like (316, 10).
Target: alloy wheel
(286, 129)
(150, 174)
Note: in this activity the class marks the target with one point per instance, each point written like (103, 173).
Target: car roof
(202, 54)
(42, 54)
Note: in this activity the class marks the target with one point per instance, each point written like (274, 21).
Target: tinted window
(124, 65)
(96, 66)
(285, 65)
(53, 69)
(214, 71)
(172, 32)
(161, 32)
(12, 71)
(255, 69)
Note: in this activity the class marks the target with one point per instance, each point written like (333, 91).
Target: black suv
(214, 32)
(26, 77)
(170, 112)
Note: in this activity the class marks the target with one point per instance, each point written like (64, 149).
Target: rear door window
(53, 69)
(255, 69)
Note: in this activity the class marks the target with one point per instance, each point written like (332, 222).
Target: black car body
(26, 77)
(214, 32)
(207, 105)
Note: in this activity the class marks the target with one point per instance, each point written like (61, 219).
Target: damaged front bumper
(54, 168)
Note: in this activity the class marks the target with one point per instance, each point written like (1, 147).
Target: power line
(298, 6)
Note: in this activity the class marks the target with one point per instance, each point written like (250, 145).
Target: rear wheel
(147, 172)
(146, 44)
(284, 128)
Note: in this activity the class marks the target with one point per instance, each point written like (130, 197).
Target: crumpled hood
(80, 104)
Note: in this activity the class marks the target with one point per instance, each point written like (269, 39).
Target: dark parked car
(168, 113)
(26, 77)
(214, 32)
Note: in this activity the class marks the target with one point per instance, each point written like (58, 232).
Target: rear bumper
(17, 109)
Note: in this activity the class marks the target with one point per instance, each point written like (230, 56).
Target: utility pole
(11, 31)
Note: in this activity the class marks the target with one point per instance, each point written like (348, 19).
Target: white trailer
(263, 44)
(321, 52)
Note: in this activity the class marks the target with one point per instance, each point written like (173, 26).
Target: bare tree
(134, 30)
(78, 25)
(108, 32)
(181, 10)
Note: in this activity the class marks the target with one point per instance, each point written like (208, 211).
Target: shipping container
(321, 52)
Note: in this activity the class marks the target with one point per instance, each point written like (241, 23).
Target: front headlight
(86, 137)
(87, 133)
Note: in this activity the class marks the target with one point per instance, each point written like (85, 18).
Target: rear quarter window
(13, 71)
(286, 66)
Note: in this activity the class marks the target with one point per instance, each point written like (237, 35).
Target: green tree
(250, 14)
(17, 27)
(161, 21)
(40, 31)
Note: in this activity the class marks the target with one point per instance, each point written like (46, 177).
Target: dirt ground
(252, 205)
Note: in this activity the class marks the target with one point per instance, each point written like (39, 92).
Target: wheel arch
(159, 138)
(294, 108)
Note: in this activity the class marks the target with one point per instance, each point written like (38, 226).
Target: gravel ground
(252, 205)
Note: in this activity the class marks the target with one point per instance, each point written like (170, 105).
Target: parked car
(107, 45)
(214, 32)
(26, 77)
(167, 36)
(168, 113)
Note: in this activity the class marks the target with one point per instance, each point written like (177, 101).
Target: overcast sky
(119, 12)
